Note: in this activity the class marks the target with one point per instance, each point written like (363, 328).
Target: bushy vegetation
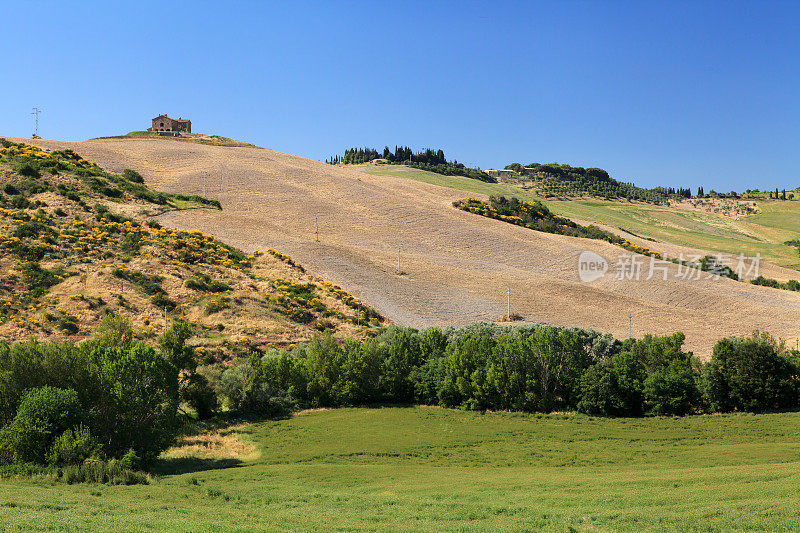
(428, 159)
(101, 410)
(30, 162)
(98, 411)
(523, 368)
(564, 180)
(751, 374)
(791, 285)
(536, 216)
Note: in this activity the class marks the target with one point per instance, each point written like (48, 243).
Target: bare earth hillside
(456, 265)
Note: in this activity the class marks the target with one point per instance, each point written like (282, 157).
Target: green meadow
(762, 233)
(425, 468)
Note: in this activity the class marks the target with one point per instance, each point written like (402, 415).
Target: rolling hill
(78, 243)
(455, 266)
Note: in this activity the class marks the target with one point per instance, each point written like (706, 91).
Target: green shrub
(96, 471)
(44, 414)
(20, 202)
(10, 189)
(131, 242)
(216, 305)
(130, 460)
(32, 230)
(162, 301)
(132, 175)
(114, 332)
(28, 169)
(38, 279)
(72, 447)
(303, 316)
(203, 282)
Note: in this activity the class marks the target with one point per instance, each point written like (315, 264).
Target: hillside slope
(78, 243)
(456, 265)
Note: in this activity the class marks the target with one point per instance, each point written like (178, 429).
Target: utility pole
(316, 225)
(508, 303)
(165, 320)
(630, 325)
(398, 259)
(35, 114)
(205, 175)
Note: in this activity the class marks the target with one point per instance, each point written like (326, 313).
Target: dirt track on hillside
(456, 265)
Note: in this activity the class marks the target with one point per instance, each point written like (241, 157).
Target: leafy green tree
(323, 365)
(402, 358)
(671, 383)
(197, 392)
(359, 379)
(514, 375)
(601, 393)
(671, 390)
(114, 331)
(559, 359)
(750, 374)
(465, 381)
(136, 405)
(32, 364)
(174, 348)
(630, 375)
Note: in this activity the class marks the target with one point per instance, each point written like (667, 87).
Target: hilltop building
(165, 125)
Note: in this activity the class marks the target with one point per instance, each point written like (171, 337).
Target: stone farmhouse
(165, 125)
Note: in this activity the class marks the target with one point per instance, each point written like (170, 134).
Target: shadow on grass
(184, 465)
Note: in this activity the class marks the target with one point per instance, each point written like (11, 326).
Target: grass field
(434, 469)
(762, 233)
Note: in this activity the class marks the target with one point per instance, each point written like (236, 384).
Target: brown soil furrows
(456, 265)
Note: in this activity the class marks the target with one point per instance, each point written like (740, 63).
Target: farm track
(456, 265)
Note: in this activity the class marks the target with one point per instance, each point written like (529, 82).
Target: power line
(35, 114)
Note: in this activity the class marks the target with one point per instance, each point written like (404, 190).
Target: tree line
(428, 159)
(108, 407)
(522, 368)
(562, 179)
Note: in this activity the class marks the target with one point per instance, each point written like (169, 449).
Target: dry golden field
(455, 266)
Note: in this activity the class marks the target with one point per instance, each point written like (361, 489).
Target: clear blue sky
(672, 93)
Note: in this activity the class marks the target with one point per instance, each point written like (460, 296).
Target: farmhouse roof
(175, 119)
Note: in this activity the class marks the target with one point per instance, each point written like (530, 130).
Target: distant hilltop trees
(564, 180)
(428, 159)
